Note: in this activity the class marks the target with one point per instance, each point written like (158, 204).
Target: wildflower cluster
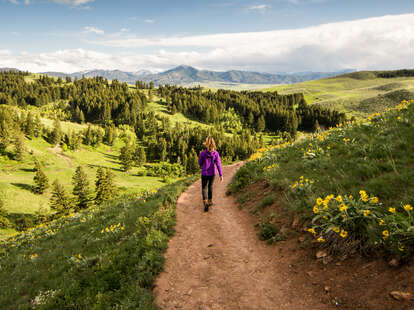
(343, 215)
(302, 184)
(259, 153)
(312, 151)
(113, 228)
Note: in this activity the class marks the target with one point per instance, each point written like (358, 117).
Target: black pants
(207, 182)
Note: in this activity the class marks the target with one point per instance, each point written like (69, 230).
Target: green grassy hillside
(101, 258)
(358, 94)
(352, 186)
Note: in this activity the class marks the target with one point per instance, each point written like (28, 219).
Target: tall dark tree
(20, 148)
(59, 200)
(140, 157)
(40, 179)
(192, 164)
(81, 189)
(57, 132)
(104, 185)
(126, 157)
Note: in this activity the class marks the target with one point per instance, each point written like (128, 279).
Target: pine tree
(57, 132)
(126, 157)
(104, 184)
(29, 127)
(192, 164)
(81, 189)
(59, 200)
(163, 156)
(40, 179)
(20, 148)
(140, 157)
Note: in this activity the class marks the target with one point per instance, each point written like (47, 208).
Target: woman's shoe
(210, 202)
(206, 205)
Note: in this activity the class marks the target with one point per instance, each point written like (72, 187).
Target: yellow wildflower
(343, 233)
(385, 233)
(319, 201)
(408, 208)
(374, 200)
(342, 207)
(336, 229)
(312, 231)
(315, 209)
(367, 212)
(320, 239)
(381, 222)
(392, 210)
(350, 197)
(339, 198)
(362, 193)
(80, 256)
(401, 248)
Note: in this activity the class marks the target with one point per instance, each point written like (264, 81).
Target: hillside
(187, 75)
(357, 94)
(341, 194)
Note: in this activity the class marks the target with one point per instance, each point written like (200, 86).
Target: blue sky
(270, 36)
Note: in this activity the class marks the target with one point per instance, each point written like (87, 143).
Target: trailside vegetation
(101, 258)
(352, 185)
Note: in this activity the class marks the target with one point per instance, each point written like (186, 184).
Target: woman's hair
(210, 144)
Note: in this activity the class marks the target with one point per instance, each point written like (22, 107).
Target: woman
(210, 163)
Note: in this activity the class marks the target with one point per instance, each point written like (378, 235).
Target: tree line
(260, 111)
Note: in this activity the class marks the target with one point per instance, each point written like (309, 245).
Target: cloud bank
(376, 43)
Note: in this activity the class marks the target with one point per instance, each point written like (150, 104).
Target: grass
(17, 177)
(374, 155)
(345, 93)
(159, 108)
(102, 258)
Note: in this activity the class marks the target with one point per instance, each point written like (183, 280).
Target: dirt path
(216, 262)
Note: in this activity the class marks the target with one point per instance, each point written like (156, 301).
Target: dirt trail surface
(215, 261)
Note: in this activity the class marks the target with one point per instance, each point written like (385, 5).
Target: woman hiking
(210, 163)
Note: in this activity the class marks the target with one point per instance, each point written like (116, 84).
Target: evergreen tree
(4, 221)
(261, 124)
(104, 185)
(57, 132)
(20, 148)
(81, 189)
(192, 164)
(126, 157)
(140, 157)
(163, 156)
(30, 125)
(40, 179)
(59, 200)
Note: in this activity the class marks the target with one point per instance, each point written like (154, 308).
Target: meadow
(357, 95)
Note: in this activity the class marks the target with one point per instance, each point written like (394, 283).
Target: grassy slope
(97, 259)
(375, 156)
(345, 93)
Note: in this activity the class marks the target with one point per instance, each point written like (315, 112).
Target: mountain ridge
(185, 75)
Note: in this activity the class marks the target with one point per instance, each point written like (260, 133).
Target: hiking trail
(215, 260)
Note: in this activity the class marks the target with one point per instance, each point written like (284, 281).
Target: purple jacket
(210, 162)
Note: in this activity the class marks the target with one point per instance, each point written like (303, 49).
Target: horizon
(272, 36)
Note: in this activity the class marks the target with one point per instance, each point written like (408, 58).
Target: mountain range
(185, 75)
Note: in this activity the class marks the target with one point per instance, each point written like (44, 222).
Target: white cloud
(149, 21)
(72, 2)
(259, 7)
(125, 30)
(376, 43)
(90, 29)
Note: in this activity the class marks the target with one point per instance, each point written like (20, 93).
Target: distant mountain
(8, 69)
(184, 75)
